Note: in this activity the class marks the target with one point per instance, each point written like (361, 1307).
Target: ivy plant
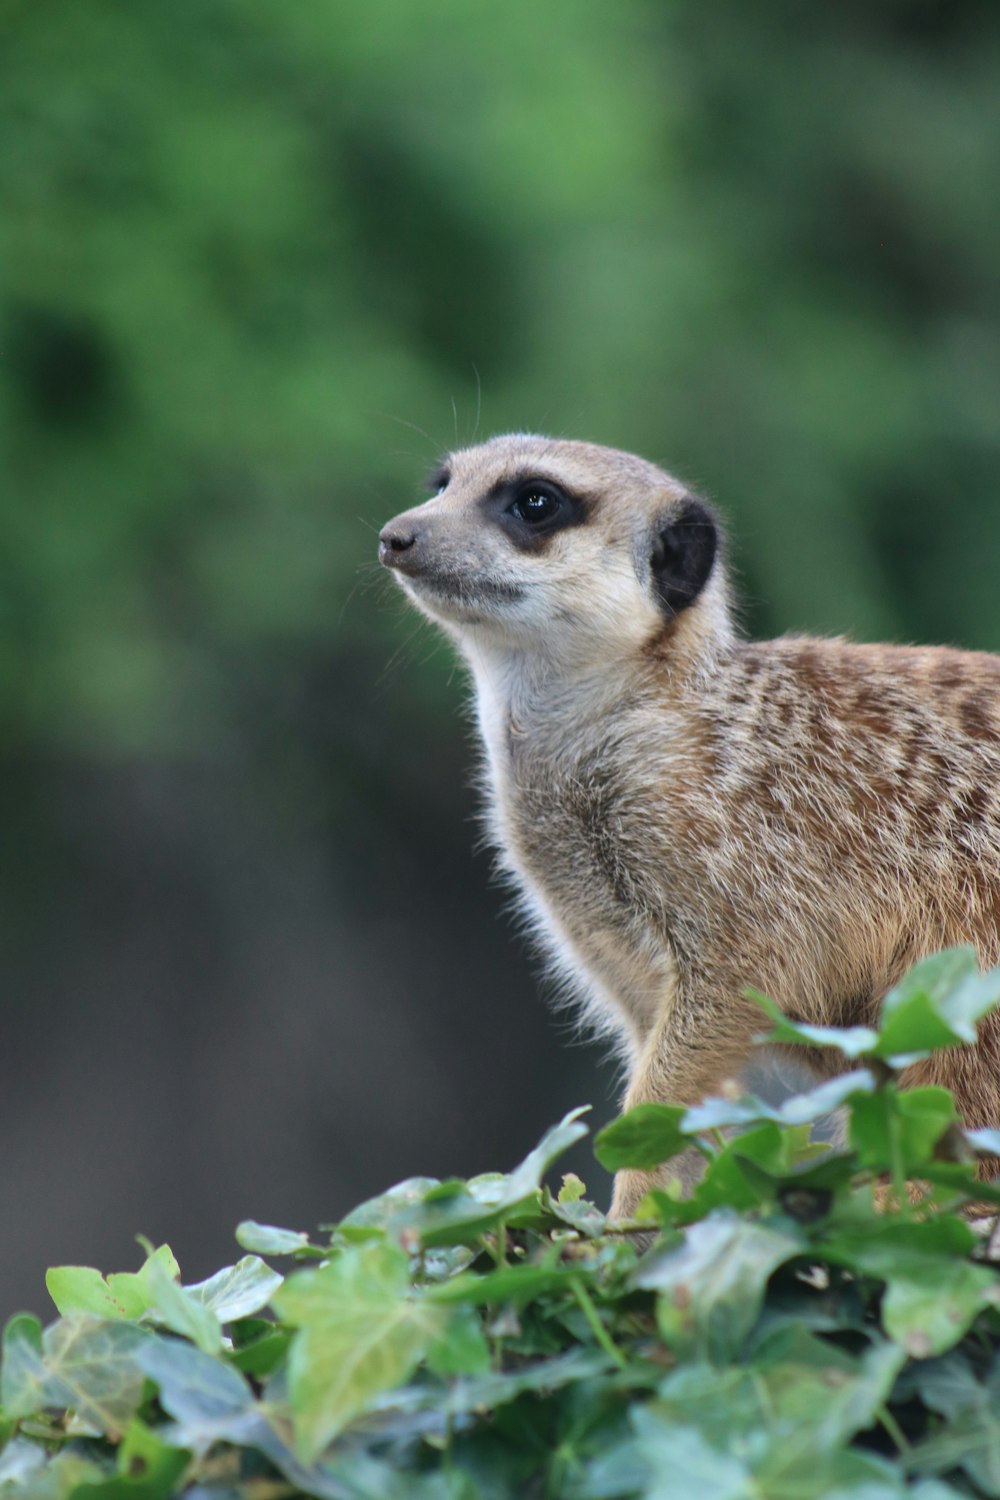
(815, 1321)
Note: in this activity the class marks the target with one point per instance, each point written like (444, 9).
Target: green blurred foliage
(245, 246)
(260, 264)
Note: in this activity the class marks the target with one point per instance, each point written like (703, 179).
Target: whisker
(343, 608)
(394, 660)
(369, 576)
(479, 401)
(437, 645)
(413, 426)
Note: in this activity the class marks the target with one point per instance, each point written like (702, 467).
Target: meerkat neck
(524, 686)
(525, 679)
(556, 703)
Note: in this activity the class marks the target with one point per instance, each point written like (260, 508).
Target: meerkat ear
(683, 553)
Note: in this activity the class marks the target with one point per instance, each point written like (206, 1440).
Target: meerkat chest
(566, 830)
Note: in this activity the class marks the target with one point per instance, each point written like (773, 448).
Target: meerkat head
(569, 549)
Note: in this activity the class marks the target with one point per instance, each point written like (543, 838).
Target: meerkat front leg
(701, 1040)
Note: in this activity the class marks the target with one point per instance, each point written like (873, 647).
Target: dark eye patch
(532, 509)
(438, 479)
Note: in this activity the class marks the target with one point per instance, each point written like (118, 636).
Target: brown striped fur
(687, 813)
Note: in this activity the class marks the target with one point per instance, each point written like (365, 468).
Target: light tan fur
(688, 813)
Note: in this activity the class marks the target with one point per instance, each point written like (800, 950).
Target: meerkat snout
(394, 540)
(688, 814)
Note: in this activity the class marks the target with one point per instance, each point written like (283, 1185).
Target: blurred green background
(260, 264)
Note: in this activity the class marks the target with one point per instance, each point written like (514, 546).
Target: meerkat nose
(396, 538)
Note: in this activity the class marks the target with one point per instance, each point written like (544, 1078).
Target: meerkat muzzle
(396, 544)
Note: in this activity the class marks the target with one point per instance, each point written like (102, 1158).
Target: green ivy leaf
(971, 1438)
(800, 1109)
(526, 1179)
(132, 1288)
(806, 1396)
(494, 1388)
(266, 1239)
(927, 1489)
(176, 1308)
(898, 1129)
(23, 1373)
(126, 1294)
(730, 1179)
(682, 1463)
(204, 1394)
(390, 1210)
(359, 1333)
(572, 1208)
(516, 1283)
(258, 1345)
(461, 1347)
(62, 1476)
(845, 1475)
(572, 1189)
(820, 1396)
(937, 1004)
(434, 1214)
(86, 1364)
(20, 1463)
(928, 1307)
(949, 1385)
(155, 1292)
(148, 1469)
(211, 1403)
(642, 1138)
(932, 1291)
(237, 1291)
(853, 1041)
(674, 1459)
(82, 1289)
(711, 1286)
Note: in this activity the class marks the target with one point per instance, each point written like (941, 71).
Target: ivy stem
(893, 1428)
(896, 1155)
(449, 1433)
(597, 1327)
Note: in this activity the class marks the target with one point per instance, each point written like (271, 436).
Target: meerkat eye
(438, 481)
(535, 505)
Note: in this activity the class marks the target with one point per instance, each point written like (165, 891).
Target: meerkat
(688, 813)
